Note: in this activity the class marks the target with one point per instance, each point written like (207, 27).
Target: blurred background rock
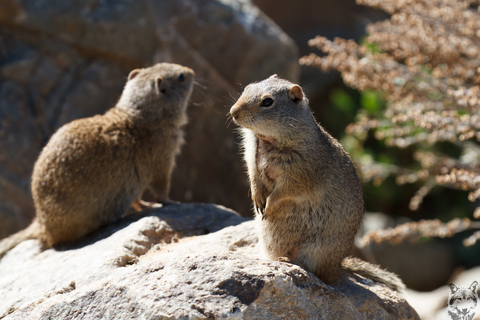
(60, 61)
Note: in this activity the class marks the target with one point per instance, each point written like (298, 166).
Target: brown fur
(306, 193)
(93, 169)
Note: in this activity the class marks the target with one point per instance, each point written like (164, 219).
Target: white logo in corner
(462, 301)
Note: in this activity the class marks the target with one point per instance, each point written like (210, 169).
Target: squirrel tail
(373, 272)
(31, 232)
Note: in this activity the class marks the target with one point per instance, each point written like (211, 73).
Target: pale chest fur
(256, 158)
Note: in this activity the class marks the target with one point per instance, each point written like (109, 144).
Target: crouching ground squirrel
(307, 196)
(92, 170)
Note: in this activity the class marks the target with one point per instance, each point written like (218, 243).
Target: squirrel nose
(234, 111)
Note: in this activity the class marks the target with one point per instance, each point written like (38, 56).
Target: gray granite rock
(186, 261)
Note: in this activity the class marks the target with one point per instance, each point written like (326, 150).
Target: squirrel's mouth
(241, 120)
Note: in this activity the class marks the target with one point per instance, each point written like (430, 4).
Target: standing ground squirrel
(306, 193)
(93, 169)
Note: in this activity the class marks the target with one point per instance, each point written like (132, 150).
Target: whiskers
(200, 92)
(233, 100)
(229, 119)
(198, 84)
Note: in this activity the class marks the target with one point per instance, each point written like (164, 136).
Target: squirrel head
(273, 107)
(158, 92)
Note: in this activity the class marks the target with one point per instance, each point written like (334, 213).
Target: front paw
(140, 205)
(270, 207)
(259, 205)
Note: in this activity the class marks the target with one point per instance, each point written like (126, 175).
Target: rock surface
(177, 262)
(62, 60)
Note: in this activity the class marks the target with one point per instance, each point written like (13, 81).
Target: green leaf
(342, 101)
(370, 101)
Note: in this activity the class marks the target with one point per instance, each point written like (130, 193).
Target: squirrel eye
(181, 77)
(267, 102)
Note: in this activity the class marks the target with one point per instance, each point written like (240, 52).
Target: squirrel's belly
(281, 232)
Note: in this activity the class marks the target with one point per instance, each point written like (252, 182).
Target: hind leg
(324, 263)
(66, 228)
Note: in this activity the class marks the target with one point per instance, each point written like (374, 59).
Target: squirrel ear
(275, 76)
(133, 74)
(296, 93)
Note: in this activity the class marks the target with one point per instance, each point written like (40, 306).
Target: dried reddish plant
(414, 231)
(425, 60)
